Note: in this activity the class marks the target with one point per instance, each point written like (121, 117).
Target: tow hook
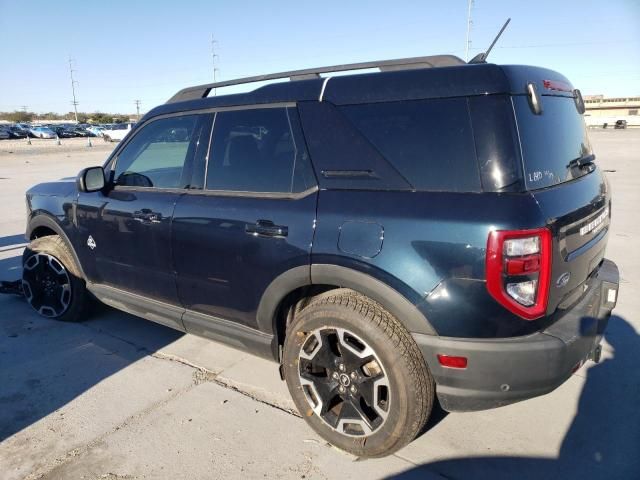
(12, 288)
(596, 353)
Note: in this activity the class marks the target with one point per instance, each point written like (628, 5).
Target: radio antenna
(482, 57)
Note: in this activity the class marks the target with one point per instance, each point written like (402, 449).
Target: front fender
(41, 219)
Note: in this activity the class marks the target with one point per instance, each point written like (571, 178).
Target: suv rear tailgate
(578, 213)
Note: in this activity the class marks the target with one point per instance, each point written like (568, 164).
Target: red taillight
(519, 271)
(451, 361)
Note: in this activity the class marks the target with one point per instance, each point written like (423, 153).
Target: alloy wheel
(344, 381)
(46, 285)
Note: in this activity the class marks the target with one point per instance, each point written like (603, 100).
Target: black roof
(395, 85)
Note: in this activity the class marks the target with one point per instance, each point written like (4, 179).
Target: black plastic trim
(230, 333)
(502, 371)
(279, 288)
(390, 299)
(43, 220)
(159, 312)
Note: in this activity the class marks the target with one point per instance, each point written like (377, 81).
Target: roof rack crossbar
(202, 91)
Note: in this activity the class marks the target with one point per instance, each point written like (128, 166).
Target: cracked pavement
(117, 397)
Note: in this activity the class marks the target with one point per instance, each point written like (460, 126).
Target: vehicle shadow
(45, 364)
(12, 240)
(603, 440)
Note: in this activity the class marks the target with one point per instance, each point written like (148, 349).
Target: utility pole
(469, 22)
(24, 108)
(214, 56)
(137, 102)
(73, 89)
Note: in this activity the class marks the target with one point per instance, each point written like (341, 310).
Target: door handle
(147, 216)
(266, 228)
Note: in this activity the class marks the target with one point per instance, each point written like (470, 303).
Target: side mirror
(91, 179)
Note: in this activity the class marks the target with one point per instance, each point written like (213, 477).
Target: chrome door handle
(266, 228)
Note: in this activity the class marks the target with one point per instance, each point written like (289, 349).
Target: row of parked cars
(109, 132)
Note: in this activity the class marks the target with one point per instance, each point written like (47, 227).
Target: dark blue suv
(435, 229)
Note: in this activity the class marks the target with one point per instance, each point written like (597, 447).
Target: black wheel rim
(46, 285)
(344, 381)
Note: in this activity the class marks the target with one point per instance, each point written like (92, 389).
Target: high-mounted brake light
(518, 269)
(557, 85)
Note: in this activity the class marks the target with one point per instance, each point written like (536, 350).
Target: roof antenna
(482, 56)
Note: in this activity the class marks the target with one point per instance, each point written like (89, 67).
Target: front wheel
(356, 375)
(51, 280)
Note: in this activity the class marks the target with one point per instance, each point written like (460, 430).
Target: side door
(252, 220)
(125, 231)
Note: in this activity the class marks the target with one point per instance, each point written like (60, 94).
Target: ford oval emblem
(563, 279)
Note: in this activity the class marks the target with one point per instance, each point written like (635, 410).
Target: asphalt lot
(118, 397)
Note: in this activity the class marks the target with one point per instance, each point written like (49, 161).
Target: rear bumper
(507, 370)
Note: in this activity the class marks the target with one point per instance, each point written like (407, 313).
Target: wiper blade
(582, 161)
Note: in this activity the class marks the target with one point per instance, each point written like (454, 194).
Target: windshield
(551, 140)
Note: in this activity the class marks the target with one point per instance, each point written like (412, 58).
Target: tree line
(20, 116)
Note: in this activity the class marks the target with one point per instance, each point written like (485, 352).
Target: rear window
(430, 142)
(551, 140)
(255, 151)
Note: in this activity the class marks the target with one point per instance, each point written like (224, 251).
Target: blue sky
(147, 50)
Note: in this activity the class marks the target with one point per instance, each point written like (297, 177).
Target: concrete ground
(117, 397)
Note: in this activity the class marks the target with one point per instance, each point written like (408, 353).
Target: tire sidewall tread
(55, 246)
(412, 387)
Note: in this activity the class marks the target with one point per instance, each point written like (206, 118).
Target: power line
(137, 102)
(73, 89)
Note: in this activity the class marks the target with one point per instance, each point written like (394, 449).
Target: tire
(51, 280)
(106, 138)
(343, 350)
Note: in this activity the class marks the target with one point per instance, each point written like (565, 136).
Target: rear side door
(252, 220)
(125, 232)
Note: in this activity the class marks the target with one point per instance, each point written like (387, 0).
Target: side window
(430, 142)
(258, 150)
(156, 155)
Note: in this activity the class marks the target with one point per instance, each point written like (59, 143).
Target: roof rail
(202, 91)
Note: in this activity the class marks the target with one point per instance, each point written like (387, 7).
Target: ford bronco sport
(434, 229)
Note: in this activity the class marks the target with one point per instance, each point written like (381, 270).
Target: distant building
(601, 110)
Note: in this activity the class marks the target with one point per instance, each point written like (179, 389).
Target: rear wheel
(356, 375)
(51, 280)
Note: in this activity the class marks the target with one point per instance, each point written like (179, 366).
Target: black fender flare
(399, 306)
(44, 220)
(393, 301)
(279, 288)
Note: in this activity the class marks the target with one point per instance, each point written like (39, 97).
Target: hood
(61, 188)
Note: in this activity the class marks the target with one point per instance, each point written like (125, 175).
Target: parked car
(80, 131)
(116, 132)
(96, 130)
(64, 132)
(620, 124)
(4, 133)
(386, 238)
(16, 132)
(41, 132)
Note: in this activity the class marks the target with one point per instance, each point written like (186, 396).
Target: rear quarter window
(429, 142)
